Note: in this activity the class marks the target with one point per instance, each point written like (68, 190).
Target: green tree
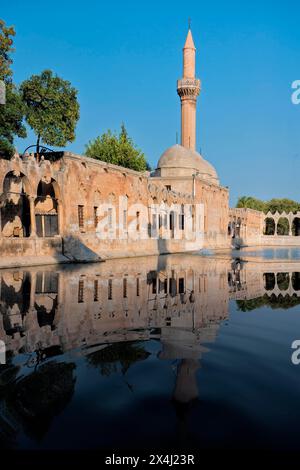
(280, 205)
(6, 48)
(51, 108)
(117, 149)
(251, 203)
(12, 112)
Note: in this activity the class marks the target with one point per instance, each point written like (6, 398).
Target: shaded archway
(296, 281)
(283, 281)
(269, 226)
(15, 206)
(283, 226)
(269, 279)
(296, 227)
(46, 209)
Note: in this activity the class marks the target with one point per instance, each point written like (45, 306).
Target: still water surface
(158, 352)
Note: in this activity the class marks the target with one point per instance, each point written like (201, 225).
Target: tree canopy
(51, 108)
(280, 205)
(6, 48)
(117, 149)
(12, 112)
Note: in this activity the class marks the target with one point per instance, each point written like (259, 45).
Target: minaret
(188, 88)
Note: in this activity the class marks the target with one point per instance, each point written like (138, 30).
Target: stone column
(60, 216)
(32, 216)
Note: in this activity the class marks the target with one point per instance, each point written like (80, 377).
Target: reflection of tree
(36, 398)
(273, 301)
(126, 354)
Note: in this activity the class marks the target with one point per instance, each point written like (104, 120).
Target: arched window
(269, 279)
(283, 226)
(15, 207)
(269, 226)
(296, 227)
(46, 209)
(283, 281)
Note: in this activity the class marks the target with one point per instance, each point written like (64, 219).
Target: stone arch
(270, 225)
(296, 227)
(283, 226)
(15, 207)
(12, 176)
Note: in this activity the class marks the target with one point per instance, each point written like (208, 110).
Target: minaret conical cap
(189, 43)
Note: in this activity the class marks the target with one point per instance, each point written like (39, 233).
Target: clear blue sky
(124, 57)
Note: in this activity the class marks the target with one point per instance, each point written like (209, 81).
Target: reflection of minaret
(186, 388)
(188, 88)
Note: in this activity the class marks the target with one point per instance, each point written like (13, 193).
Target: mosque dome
(181, 161)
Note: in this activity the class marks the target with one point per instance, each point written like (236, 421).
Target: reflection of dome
(180, 161)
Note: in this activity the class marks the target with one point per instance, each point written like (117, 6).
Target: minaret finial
(190, 22)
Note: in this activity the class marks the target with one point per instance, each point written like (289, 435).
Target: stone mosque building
(65, 207)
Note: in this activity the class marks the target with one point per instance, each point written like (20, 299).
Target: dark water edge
(201, 362)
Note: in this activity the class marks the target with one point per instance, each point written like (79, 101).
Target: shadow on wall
(77, 252)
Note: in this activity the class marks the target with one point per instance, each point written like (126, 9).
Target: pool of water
(280, 253)
(169, 352)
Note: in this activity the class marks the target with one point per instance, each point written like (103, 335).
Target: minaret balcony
(188, 87)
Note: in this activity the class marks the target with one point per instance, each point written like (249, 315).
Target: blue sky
(125, 58)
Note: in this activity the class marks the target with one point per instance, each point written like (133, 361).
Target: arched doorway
(296, 227)
(283, 226)
(296, 281)
(46, 209)
(283, 281)
(269, 279)
(269, 226)
(15, 207)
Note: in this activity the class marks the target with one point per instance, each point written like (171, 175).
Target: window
(168, 187)
(154, 224)
(181, 285)
(172, 223)
(154, 286)
(109, 215)
(125, 219)
(181, 218)
(46, 282)
(138, 287)
(125, 288)
(81, 291)
(163, 286)
(137, 221)
(109, 294)
(80, 217)
(96, 296)
(95, 217)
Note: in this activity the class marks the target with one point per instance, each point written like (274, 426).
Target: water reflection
(106, 314)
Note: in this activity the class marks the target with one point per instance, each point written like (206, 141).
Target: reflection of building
(173, 297)
(180, 299)
(103, 310)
